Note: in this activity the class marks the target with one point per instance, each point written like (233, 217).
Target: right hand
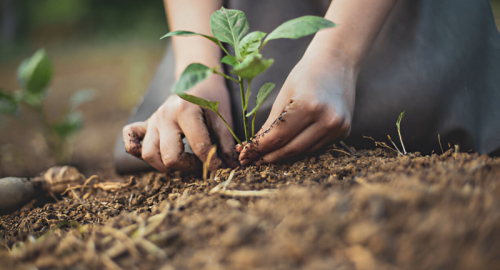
(161, 134)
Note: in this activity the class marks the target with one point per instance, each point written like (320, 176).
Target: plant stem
(249, 83)
(55, 144)
(228, 127)
(401, 139)
(226, 76)
(253, 124)
(243, 107)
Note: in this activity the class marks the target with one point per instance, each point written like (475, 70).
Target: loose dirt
(336, 210)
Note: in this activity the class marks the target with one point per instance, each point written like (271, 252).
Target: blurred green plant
(34, 75)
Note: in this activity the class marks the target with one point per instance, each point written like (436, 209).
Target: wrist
(327, 54)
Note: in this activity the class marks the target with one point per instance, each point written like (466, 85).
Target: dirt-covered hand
(161, 134)
(313, 108)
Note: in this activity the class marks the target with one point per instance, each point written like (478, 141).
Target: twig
(156, 220)
(342, 151)
(248, 193)
(206, 164)
(399, 152)
(229, 179)
(150, 248)
(109, 263)
(439, 140)
(126, 242)
(88, 180)
(382, 144)
(348, 148)
(223, 185)
(75, 195)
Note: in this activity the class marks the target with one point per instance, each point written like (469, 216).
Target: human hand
(161, 134)
(314, 107)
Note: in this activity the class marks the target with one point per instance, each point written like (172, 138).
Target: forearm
(359, 22)
(192, 15)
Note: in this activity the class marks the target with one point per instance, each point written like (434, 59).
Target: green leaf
(200, 102)
(299, 27)
(251, 42)
(229, 25)
(8, 104)
(34, 74)
(189, 33)
(252, 66)
(192, 75)
(32, 99)
(230, 60)
(69, 125)
(398, 123)
(264, 92)
(80, 97)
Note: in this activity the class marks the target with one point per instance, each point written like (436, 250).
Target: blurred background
(111, 46)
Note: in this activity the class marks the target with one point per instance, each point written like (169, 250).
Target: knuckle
(148, 157)
(334, 122)
(201, 148)
(170, 161)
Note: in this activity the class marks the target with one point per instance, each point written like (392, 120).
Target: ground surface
(370, 210)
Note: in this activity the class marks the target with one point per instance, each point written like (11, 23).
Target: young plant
(231, 27)
(398, 125)
(34, 75)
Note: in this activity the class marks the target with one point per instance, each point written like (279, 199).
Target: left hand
(314, 107)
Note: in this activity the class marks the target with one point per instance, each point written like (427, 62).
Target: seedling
(34, 75)
(231, 26)
(398, 125)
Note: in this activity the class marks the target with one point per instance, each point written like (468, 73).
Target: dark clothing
(437, 60)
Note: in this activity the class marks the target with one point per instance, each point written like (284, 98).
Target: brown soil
(371, 210)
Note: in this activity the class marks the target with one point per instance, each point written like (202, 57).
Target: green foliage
(213, 106)
(264, 92)
(251, 43)
(8, 104)
(398, 123)
(34, 76)
(71, 123)
(80, 97)
(35, 73)
(231, 27)
(299, 27)
(252, 66)
(230, 60)
(192, 75)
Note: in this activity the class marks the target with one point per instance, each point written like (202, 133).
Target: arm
(322, 84)
(161, 134)
(182, 16)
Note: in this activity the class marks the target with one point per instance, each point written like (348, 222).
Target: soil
(339, 209)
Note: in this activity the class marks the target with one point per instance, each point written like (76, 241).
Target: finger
(132, 137)
(172, 149)
(298, 145)
(321, 143)
(239, 147)
(225, 139)
(290, 123)
(151, 148)
(192, 124)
